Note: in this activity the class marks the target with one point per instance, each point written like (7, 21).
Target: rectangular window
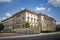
(34, 19)
(28, 18)
(23, 25)
(31, 19)
(23, 18)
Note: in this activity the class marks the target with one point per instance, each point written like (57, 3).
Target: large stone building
(38, 22)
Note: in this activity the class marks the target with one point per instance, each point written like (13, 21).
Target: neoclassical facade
(38, 22)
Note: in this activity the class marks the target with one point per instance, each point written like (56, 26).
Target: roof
(47, 16)
(28, 11)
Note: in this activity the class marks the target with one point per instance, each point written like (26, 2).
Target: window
(34, 19)
(18, 26)
(17, 15)
(23, 14)
(28, 13)
(34, 25)
(31, 14)
(31, 19)
(37, 20)
(23, 18)
(23, 25)
(31, 25)
(28, 18)
(34, 15)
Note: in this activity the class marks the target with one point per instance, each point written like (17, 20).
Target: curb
(32, 35)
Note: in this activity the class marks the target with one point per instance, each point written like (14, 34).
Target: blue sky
(48, 7)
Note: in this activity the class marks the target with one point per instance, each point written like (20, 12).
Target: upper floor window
(23, 14)
(17, 15)
(34, 19)
(23, 18)
(34, 15)
(28, 18)
(31, 19)
(31, 14)
(23, 25)
(28, 13)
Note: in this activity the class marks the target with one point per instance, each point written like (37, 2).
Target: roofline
(48, 16)
(11, 16)
(29, 11)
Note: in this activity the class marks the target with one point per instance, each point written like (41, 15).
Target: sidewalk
(41, 34)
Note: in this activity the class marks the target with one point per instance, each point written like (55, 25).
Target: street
(38, 37)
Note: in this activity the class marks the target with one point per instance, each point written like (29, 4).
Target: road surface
(55, 36)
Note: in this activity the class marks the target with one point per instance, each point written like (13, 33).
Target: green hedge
(27, 24)
(47, 31)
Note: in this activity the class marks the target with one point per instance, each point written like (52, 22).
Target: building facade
(38, 22)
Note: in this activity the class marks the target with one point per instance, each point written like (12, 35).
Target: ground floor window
(23, 25)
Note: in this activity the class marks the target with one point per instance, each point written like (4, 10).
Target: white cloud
(5, 0)
(3, 18)
(40, 8)
(56, 3)
(22, 8)
(49, 9)
(49, 15)
(8, 14)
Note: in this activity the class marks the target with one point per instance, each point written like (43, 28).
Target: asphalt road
(41, 37)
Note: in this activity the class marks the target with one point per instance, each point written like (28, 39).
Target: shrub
(48, 31)
(27, 24)
(1, 26)
(45, 31)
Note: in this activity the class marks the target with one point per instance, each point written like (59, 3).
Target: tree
(58, 27)
(27, 24)
(1, 26)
